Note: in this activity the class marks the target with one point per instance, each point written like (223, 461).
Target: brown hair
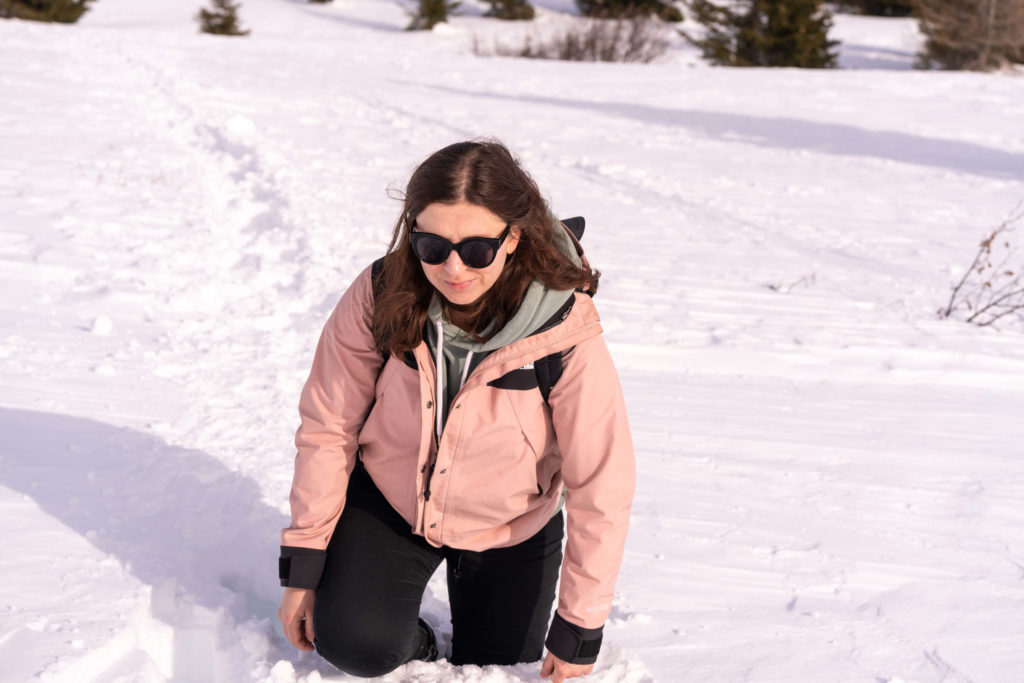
(486, 174)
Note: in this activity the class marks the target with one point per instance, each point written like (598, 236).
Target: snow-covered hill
(831, 478)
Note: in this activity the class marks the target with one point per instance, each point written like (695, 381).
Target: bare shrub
(979, 35)
(786, 288)
(993, 286)
(634, 39)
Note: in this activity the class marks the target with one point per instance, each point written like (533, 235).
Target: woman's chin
(459, 299)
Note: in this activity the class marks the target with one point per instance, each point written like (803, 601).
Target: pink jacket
(501, 461)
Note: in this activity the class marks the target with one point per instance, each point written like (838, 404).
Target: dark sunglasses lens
(430, 249)
(476, 253)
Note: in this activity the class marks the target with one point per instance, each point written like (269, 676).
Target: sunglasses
(475, 252)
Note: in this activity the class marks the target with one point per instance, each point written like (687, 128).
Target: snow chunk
(240, 128)
(282, 672)
(102, 326)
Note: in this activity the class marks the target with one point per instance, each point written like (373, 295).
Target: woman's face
(458, 283)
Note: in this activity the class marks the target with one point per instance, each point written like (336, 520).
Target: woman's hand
(559, 670)
(296, 615)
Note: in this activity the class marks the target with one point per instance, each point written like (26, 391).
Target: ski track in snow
(830, 478)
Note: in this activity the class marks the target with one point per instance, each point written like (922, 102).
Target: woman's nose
(453, 264)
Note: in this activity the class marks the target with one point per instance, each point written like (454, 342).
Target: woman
(424, 438)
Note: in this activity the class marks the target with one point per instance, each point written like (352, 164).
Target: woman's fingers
(560, 671)
(308, 623)
(548, 666)
(294, 631)
(296, 616)
(298, 636)
(301, 639)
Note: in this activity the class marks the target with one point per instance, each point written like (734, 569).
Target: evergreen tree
(617, 9)
(429, 13)
(222, 20)
(62, 11)
(971, 34)
(510, 9)
(876, 8)
(766, 33)
(886, 8)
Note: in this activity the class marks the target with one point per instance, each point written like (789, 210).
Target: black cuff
(301, 567)
(573, 644)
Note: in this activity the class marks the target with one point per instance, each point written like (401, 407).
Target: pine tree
(617, 9)
(429, 13)
(766, 33)
(875, 8)
(971, 34)
(62, 11)
(222, 20)
(510, 9)
(886, 8)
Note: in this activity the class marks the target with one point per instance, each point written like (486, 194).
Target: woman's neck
(460, 316)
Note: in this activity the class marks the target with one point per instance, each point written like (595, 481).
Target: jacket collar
(581, 322)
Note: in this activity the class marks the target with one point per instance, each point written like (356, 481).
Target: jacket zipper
(430, 468)
(438, 395)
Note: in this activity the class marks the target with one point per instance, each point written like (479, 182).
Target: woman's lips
(458, 286)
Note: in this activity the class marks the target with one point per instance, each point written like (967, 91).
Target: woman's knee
(360, 650)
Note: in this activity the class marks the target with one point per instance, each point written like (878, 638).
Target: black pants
(368, 600)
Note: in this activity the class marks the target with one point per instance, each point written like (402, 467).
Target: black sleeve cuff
(573, 644)
(301, 567)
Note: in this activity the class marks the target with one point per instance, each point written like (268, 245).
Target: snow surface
(831, 478)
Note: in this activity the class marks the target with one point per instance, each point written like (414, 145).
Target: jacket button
(444, 470)
(423, 469)
(430, 404)
(433, 525)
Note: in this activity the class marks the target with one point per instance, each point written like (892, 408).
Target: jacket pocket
(387, 373)
(533, 417)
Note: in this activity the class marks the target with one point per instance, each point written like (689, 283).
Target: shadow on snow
(790, 133)
(172, 516)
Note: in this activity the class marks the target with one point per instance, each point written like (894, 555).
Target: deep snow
(831, 478)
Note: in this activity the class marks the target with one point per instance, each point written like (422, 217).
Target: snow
(831, 477)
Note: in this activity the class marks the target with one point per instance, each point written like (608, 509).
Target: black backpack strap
(375, 276)
(376, 270)
(576, 226)
(548, 370)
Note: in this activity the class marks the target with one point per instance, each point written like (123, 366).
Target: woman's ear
(512, 241)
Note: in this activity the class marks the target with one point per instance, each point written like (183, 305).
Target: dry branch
(993, 286)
